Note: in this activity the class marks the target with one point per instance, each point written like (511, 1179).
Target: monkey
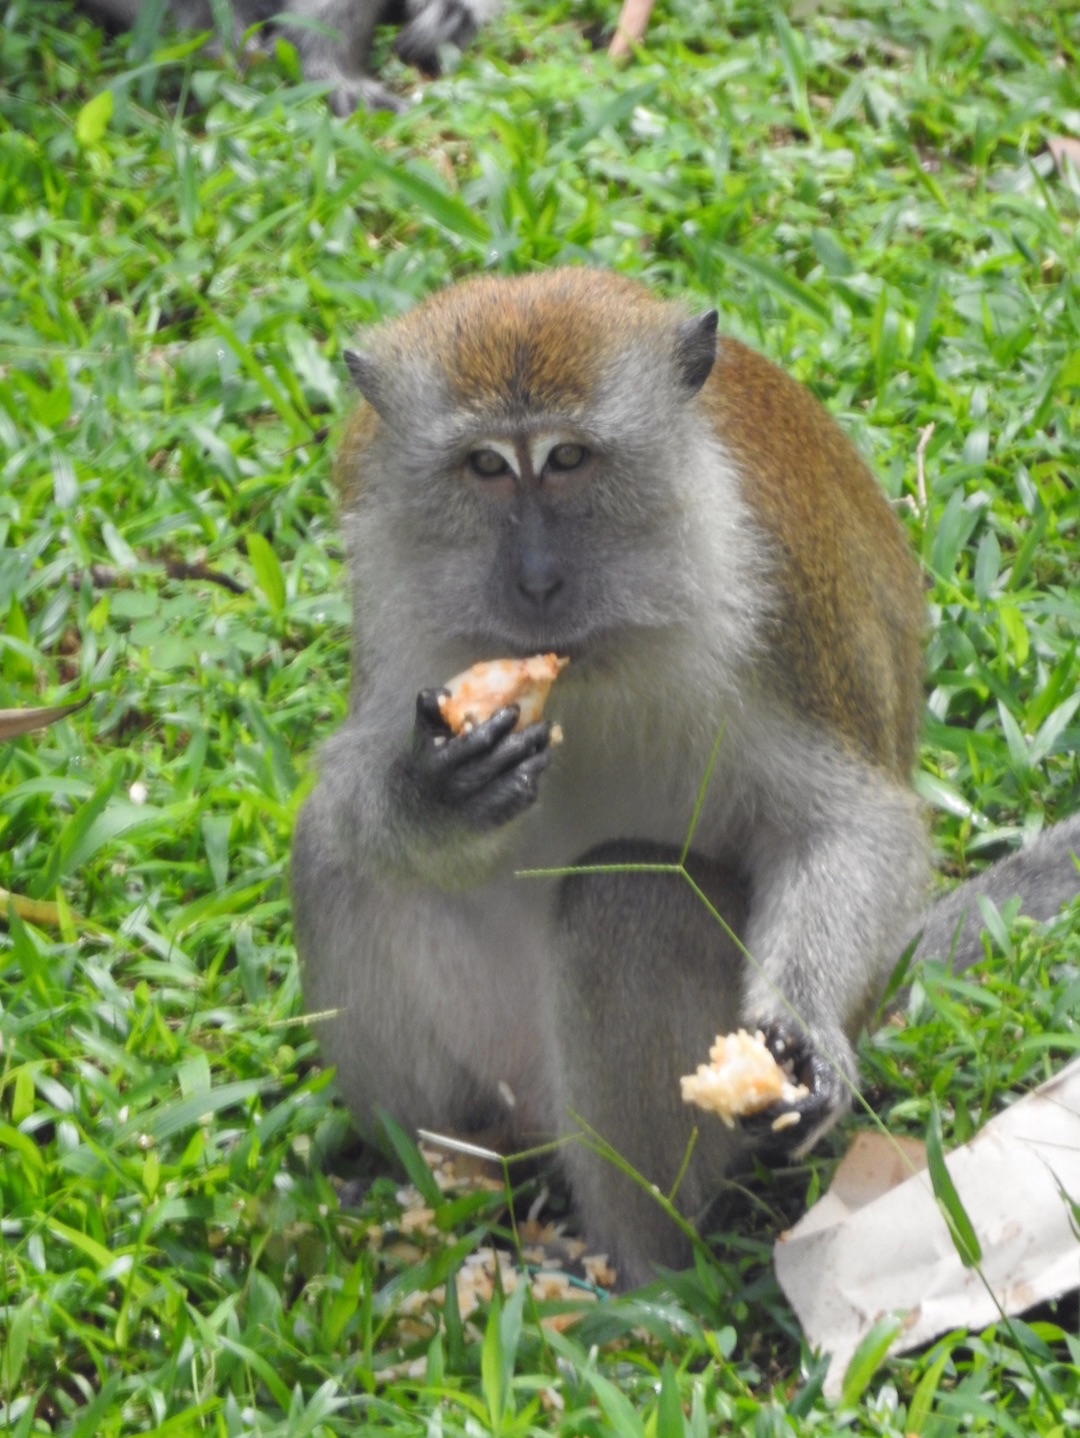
(565, 462)
(336, 47)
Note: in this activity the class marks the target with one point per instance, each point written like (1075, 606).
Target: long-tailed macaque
(333, 37)
(563, 462)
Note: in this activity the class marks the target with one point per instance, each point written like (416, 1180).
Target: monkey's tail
(1043, 875)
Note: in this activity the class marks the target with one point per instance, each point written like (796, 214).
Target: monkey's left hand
(825, 1102)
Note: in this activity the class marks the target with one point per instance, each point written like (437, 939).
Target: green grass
(868, 198)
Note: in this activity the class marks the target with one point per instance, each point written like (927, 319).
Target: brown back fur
(848, 579)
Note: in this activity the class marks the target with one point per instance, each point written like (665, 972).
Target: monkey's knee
(647, 974)
(634, 915)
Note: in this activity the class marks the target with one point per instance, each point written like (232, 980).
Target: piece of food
(741, 1078)
(480, 691)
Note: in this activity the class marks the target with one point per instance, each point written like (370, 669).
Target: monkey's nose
(539, 576)
(540, 590)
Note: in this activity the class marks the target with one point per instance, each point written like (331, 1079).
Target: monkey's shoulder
(846, 631)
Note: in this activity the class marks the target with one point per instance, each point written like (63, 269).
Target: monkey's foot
(363, 92)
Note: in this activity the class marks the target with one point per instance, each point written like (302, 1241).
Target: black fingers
(429, 715)
(513, 791)
(775, 1133)
(486, 775)
(489, 753)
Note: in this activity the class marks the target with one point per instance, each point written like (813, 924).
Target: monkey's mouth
(576, 653)
(493, 643)
(598, 640)
(590, 649)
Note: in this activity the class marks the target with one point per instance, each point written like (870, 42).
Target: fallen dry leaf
(630, 27)
(1064, 148)
(14, 722)
(877, 1242)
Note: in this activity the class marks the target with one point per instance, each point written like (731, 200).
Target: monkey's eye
(567, 456)
(488, 463)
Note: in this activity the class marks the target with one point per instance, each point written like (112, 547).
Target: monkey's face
(525, 464)
(555, 527)
(542, 535)
(534, 487)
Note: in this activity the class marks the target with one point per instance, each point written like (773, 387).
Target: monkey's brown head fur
(534, 345)
(543, 342)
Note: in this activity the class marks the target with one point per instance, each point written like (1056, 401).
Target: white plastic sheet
(877, 1243)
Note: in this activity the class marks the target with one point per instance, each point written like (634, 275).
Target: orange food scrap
(741, 1078)
(481, 691)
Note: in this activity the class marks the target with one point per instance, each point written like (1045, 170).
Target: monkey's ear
(695, 350)
(365, 375)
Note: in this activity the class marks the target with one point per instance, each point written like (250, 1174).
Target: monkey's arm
(1043, 876)
(832, 891)
(338, 49)
(437, 807)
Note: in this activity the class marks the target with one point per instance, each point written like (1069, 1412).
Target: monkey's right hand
(486, 776)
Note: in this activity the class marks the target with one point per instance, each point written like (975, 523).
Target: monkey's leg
(340, 52)
(429, 1004)
(646, 978)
